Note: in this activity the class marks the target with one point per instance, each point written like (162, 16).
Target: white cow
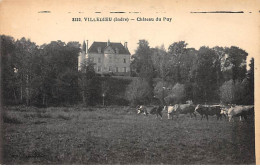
(171, 110)
(240, 111)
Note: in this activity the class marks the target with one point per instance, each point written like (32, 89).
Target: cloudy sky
(51, 20)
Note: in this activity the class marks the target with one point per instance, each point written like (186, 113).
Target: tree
(161, 62)
(176, 95)
(233, 92)
(25, 51)
(89, 84)
(9, 80)
(251, 85)
(176, 52)
(142, 62)
(236, 63)
(138, 91)
(204, 75)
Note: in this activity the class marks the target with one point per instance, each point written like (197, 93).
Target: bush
(233, 92)
(138, 92)
(11, 119)
(176, 94)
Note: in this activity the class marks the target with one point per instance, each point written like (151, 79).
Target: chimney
(87, 47)
(108, 42)
(125, 45)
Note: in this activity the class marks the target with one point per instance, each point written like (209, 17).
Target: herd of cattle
(229, 111)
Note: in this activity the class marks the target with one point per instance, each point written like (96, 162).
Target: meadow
(117, 135)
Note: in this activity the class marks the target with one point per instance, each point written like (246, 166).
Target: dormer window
(99, 50)
(117, 50)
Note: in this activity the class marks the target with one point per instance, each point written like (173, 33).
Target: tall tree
(204, 75)
(251, 80)
(176, 52)
(90, 86)
(236, 61)
(9, 70)
(142, 60)
(25, 52)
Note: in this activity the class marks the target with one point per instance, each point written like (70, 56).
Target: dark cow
(207, 110)
(240, 111)
(157, 111)
(150, 110)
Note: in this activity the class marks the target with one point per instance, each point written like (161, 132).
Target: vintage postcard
(149, 82)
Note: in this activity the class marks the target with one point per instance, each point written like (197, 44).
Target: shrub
(233, 92)
(11, 119)
(138, 92)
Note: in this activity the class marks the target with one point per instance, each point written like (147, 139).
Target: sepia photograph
(129, 82)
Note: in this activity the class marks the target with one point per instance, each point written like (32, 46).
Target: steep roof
(94, 47)
(84, 46)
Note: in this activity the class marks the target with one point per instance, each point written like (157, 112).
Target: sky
(27, 19)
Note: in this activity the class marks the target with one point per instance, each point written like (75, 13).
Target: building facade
(108, 58)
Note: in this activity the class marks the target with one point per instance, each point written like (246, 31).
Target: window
(99, 50)
(124, 69)
(99, 60)
(116, 69)
(99, 68)
(117, 50)
(124, 60)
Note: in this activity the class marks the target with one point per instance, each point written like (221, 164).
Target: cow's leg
(194, 115)
(229, 118)
(169, 115)
(160, 114)
(240, 118)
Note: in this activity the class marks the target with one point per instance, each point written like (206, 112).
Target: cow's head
(224, 111)
(197, 108)
(139, 109)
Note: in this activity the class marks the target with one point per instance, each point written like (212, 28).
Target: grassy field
(117, 135)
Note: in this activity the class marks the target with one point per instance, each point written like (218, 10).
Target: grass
(117, 135)
(8, 118)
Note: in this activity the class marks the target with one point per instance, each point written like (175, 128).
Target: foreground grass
(117, 135)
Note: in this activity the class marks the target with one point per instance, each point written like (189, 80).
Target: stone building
(108, 58)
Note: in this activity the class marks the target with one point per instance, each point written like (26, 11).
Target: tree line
(39, 75)
(48, 75)
(207, 75)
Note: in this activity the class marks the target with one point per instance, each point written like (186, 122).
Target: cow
(150, 110)
(208, 111)
(157, 111)
(171, 110)
(142, 109)
(186, 109)
(240, 111)
(180, 109)
(224, 109)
